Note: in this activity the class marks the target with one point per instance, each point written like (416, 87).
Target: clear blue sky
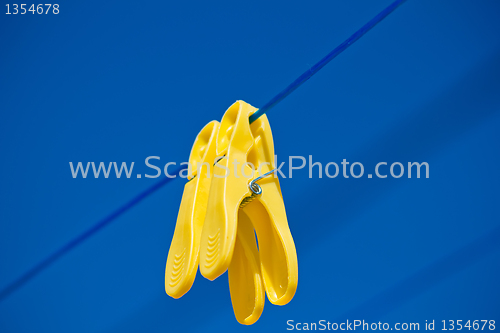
(123, 80)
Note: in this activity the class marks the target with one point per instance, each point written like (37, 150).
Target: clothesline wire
(323, 62)
(35, 270)
(84, 236)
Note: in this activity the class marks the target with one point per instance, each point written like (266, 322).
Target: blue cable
(134, 201)
(323, 62)
(84, 236)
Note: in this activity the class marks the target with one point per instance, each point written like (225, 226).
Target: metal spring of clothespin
(255, 189)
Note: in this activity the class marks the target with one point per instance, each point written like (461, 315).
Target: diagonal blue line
(323, 62)
(84, 236)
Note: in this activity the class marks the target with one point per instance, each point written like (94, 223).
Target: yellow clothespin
(243, 144)
(182, 261)
(277, 252)
(227, 191)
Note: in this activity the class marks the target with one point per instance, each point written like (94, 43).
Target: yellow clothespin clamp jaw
(182, 261)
